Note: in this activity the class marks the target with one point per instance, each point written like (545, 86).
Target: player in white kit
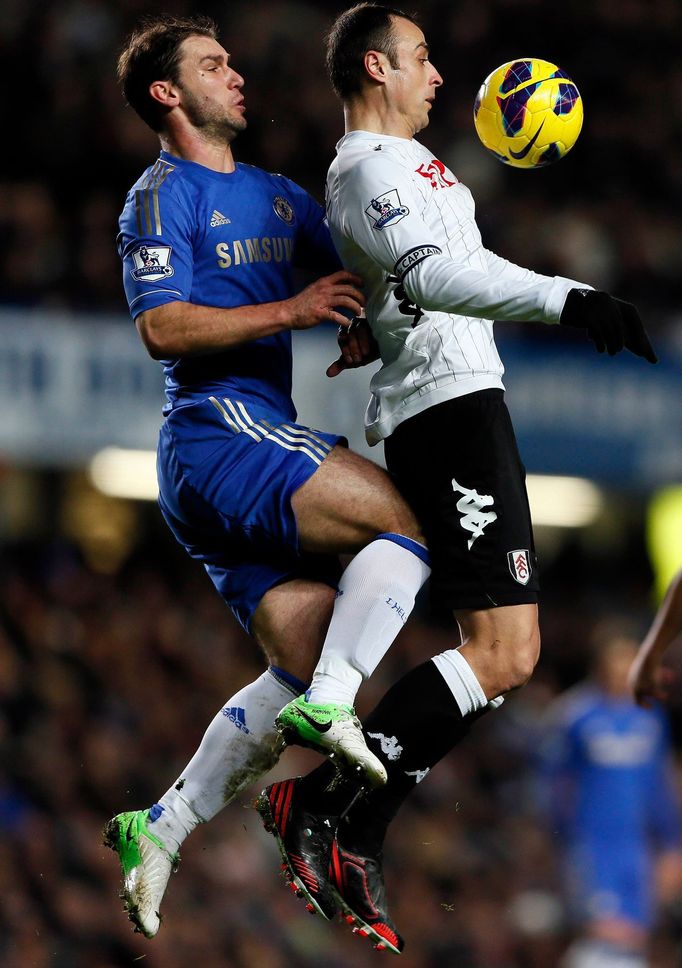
(404, 223)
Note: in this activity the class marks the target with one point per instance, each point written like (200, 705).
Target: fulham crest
(519, 565)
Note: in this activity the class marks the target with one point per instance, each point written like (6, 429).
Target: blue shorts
(227, 470)
(610, 881)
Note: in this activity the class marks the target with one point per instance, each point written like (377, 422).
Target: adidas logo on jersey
(237, 716)
(218, 219)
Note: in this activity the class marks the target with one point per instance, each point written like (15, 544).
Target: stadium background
(115, 651)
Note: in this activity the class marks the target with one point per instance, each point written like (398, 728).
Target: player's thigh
(347, 502)
(226, 499)
(457, 463)
(228, 469)
(290, 624)
(273, 483)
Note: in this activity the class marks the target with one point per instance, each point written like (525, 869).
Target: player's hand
(358, 347)
(611, 323)
(648, 681)
(320, 301)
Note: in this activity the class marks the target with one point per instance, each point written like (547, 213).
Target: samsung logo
(247, 251)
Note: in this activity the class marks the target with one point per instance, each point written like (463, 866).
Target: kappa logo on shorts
(152, 263)
(519, 565)
(386, 209)
(418, 774)
(390, 746)
(470, 506)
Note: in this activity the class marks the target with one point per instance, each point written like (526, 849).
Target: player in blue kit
(612, 806)
(208, 249)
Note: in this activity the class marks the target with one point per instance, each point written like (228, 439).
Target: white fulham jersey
(402, 221)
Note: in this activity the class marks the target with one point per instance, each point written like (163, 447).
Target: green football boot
(335, 731)
(146, 866)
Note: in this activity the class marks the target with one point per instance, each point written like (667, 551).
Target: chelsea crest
(283, 209)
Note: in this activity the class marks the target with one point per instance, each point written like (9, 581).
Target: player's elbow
(421, 292)
(154, 333)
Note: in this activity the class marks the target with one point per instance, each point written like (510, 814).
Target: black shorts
(458, 465)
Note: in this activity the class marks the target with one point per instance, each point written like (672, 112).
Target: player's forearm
(668, 622)
(505, 291)
(184, 329)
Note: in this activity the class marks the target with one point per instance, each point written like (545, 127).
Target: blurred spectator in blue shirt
(613, 809)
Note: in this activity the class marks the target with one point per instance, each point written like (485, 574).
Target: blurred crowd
(107, 681)
(608, 214)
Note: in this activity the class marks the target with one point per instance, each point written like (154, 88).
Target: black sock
(413, 726)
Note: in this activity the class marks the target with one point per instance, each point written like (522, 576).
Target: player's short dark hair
(366, 26)
(152, 53)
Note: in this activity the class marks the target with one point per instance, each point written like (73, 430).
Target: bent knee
(406, 524)
(502, 649)
(395, 516)
(521, 655)
(521, 667)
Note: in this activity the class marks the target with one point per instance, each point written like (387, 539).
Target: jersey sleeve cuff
(150, 300)
(556, 296)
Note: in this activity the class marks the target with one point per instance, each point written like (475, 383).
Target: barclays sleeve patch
(386, 209)
(151, 263)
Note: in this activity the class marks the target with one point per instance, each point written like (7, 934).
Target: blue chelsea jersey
(610, 766)
(196, 235)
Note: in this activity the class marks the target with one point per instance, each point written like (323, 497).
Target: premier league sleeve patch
(386, 209)
(151, 263)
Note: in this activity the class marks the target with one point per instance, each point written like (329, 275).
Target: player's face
(614, 665)
(211, 90)
(413, 84)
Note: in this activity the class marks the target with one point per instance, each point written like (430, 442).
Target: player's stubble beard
(215, 123)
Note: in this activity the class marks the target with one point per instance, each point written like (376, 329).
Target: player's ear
(165, 93)
(376, 65)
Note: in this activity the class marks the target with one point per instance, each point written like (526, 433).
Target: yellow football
(528, 113)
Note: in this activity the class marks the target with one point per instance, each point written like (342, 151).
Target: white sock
(462, 681)
(239, 746)
(376, 595)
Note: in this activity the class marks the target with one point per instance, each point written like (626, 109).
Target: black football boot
(305, 841)
(359, 884)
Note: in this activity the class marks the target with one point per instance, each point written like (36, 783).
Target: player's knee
(402, 520)
(521, 670)
(509, 659)
(521, 659)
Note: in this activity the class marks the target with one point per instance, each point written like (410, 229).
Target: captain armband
(413, 257)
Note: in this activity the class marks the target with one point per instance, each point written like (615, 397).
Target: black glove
(611, 324)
